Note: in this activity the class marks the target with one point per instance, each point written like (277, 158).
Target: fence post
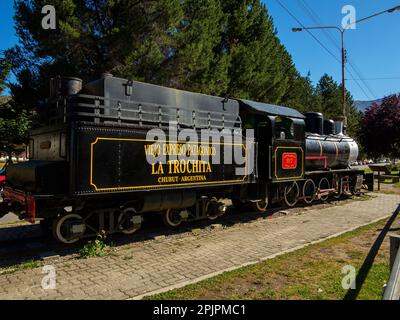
(379, 181)
(394, 247)
(392, 290)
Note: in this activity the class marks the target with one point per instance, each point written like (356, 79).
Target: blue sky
(373, 48)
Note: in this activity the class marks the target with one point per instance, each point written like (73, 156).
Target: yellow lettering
(195, 166)
(182, 166)
(176, 166)
(160, 169)
(170, 167)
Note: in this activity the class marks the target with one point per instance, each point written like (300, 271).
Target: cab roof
(269, 109)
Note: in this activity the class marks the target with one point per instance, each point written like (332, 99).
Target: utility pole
(342, 32)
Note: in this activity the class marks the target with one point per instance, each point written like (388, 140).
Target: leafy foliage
(13, 130)
(380, 126)
(330, 95)
(94, 248)
(5, 68)
(14, 123)
(302, 95)
(220, 47)
(227, 48)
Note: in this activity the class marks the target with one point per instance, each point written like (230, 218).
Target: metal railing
(108, 110)
(392, 291)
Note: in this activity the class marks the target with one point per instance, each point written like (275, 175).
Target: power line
(360, 75)
(321, 44)
(373, 79)
(316, 19)
(358, 84)
(308, 31)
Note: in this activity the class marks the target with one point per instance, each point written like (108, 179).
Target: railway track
(31, 243)
(10, 233)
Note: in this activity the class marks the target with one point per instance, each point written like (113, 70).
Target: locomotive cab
(279, 132)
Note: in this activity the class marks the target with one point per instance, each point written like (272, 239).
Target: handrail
(330, 138)
(129, 111)
(392, 291)
(85, 96)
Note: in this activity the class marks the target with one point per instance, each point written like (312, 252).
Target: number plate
(289, 161)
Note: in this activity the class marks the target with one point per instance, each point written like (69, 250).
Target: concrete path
(140, 268)
(8, 218)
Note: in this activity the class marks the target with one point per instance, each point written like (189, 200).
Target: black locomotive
(114, 149)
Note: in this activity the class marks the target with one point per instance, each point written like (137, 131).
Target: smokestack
(339, 126)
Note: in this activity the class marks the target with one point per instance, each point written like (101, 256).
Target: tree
(14, 123)
(195, 63)
(302, 95)
(227, 48)
(127, 38)
(330, 93)
(331, 96)
(380, 128)
(14, 130)
(260, 67)
(5, 68)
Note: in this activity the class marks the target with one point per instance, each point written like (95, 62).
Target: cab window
(284, 128)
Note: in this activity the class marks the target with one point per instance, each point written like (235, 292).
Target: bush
(394, 167)
(94, 248)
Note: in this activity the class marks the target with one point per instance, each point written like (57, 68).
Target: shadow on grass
(352, 294)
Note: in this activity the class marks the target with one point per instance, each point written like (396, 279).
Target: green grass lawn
(29, 264)
(314, 272)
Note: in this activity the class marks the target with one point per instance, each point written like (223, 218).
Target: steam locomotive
(113, 150)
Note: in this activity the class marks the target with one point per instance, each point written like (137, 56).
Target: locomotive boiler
(326, 145)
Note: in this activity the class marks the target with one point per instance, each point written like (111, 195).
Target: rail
(330, 138)
(392, 291)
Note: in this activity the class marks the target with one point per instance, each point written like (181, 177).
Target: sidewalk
(141, 268)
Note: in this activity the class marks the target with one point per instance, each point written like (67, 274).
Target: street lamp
(342, 31)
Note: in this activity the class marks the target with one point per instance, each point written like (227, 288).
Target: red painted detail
(289, 160)
(13, 195)
(2, 179)
(319, 158)
(27, 202)
(30, 209)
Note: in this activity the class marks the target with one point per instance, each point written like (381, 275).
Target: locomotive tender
(93, 167)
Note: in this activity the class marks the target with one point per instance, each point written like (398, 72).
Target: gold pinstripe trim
(276, 163)
(164, 185)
